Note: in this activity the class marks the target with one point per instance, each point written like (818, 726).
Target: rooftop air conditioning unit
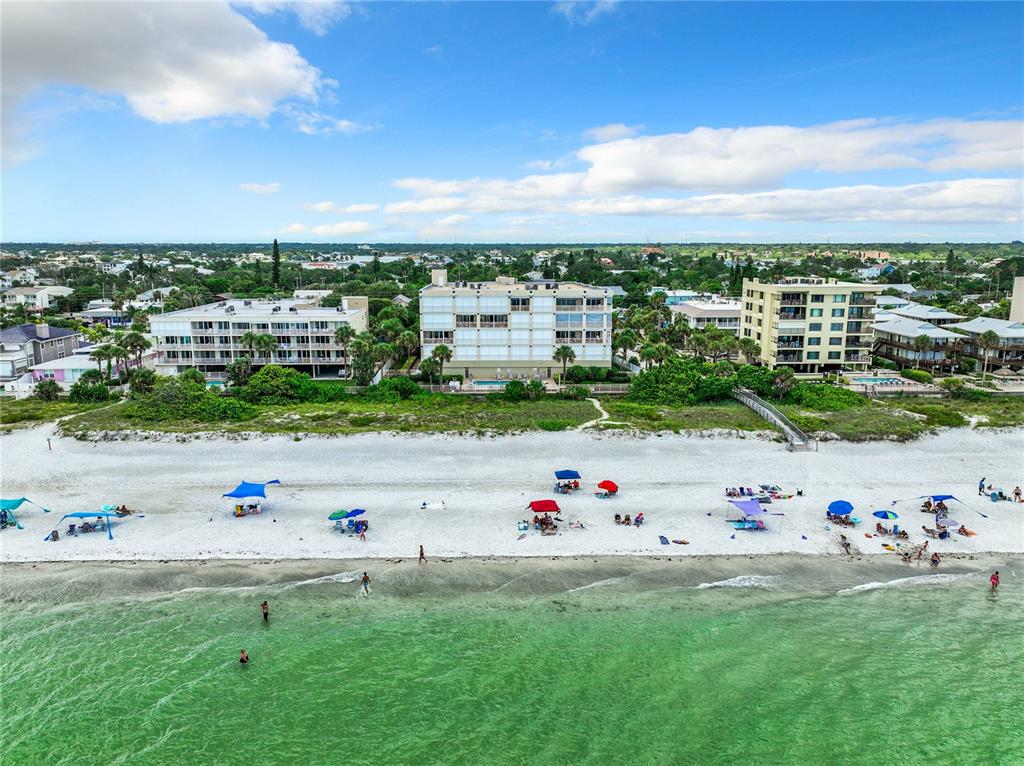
(293, 309)
(246, 303)
(275, 309)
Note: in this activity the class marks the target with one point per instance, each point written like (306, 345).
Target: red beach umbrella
(544, 506)
(611, 486)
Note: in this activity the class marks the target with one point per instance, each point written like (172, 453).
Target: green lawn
(727, 415)
(437, 413)
(21, 413)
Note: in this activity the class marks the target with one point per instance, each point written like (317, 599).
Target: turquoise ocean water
(753, 672)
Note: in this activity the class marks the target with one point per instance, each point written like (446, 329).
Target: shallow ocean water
(755, 670)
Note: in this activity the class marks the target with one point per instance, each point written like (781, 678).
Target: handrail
(797, 439)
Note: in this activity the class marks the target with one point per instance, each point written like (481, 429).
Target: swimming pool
(880, 381)
(489, 382)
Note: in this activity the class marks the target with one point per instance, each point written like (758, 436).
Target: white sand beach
(486, 483)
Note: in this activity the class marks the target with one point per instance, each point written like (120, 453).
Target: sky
(512, 122)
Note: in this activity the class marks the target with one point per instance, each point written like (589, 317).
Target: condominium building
(35, 299)
(716, 312)
(895, 338)
(210, 337)
(508, 329)
(1009, 350)
(810, 324)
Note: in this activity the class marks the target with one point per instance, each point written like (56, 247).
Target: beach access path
(678, 482)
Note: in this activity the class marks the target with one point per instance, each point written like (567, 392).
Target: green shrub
(47, 390)
(760, 380)
(515, 391)
(825, 397)
(937, 415)
(554, 425)
(181, 398)
(361, 421)
(321, 391)
(636, 411)
(574, 393)
(193, 376)
(809, 423)
(142, 381)
(885, 364)
(971, 395)
(392, 390)
(273, 384)
(83, 391)
(918, 376)
(682, 381)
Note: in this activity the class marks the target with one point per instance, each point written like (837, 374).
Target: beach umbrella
(566, 474)
(610, 486)
(337, 515)
(354, 512)
(544, 506)
(840, 507)
(885, 515)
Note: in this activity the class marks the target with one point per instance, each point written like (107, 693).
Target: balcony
(858, 358)
(788, 357)
(791, 344)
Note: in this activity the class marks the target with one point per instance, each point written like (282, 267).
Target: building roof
(708, 308)
(1001, 327)
(239, 308)
(24, 290)
(911, 328)
(73, 362)
(23, 333)
(924, 311)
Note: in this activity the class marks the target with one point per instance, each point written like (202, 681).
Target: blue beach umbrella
(885, 515)
(354, 512)
(840, 507)
(567, 474)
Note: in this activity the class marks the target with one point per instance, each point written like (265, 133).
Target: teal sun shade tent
(10, 505)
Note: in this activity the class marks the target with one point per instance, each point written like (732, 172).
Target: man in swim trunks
(994, 579)
(266, 611)
(365, 584)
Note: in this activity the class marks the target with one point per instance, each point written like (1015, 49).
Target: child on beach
(994, 579)
(365, 582)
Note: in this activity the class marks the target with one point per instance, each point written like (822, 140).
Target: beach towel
(663, 539)
(681, 542)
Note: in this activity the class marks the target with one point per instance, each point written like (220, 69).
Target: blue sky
(479, 122)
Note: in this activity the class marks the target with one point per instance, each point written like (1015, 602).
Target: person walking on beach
(265, 607)
(994, 579)
(365, 584)
(936, 560)
(423, 556)
(1017, 494)
(981, 486)
(244, 657)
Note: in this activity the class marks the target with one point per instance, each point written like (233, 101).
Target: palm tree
(408, 341)
(343, 335)
(136, 342)
(624, 339)
(699, 343)
(663, 352)
(429, 368)
(97, 333)
(648, 354)
(987, 341)
(441, 354)
(679, 331)
(119, 354)
(101, 354)
(922, 343)
(266, 344)
(564, 354)
(249, 341)
(749, 348)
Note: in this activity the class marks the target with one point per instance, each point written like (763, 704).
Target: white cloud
(342, 228)
(330, 207)
(294, 228)
(453, 220)
(433, 50)
(312, 122)
(318, 16)
(261, 188)
(171, 62)
(584, 11)
(612, 132)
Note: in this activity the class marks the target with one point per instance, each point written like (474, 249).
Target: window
(812, 356)
(520, 304)
(814, 327)
(835, 341)
(838, 312)
(568, 303)
(833, 354)
(815, 312)
(817, 298)
(465, 320)
(814, 341)
(836, 327)
(437, 336)
(595, 303)
(839, 299)
(595, 336)
(494, 320)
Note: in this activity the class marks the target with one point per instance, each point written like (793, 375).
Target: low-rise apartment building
(1009, 352)
(510, 329)
(701, 314)
(810, 324)
(896, 340)
(36, 299)
(210, 337)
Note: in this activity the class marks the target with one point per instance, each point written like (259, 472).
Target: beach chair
(71, 529)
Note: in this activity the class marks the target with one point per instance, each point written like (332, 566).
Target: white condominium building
(210, 337)
(810, 324)
(509, 329)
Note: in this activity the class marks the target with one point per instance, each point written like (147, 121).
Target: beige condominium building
(509, 329)
(810, 324)
(210, 337)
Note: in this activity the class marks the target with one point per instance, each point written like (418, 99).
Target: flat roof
(255, 308)
(911, 328)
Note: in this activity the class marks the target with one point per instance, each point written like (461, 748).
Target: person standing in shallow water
(265, 607)
(994, 579)
(365, 582)
(423, 556)
(243, 657)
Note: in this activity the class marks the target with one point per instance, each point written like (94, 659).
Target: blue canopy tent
(567, 474)
(92, 515)
(840, 507)
(251, 489)
(10, 505)
(750, 507)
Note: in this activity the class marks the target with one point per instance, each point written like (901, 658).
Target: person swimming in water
(265, 607)
(244, 657)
